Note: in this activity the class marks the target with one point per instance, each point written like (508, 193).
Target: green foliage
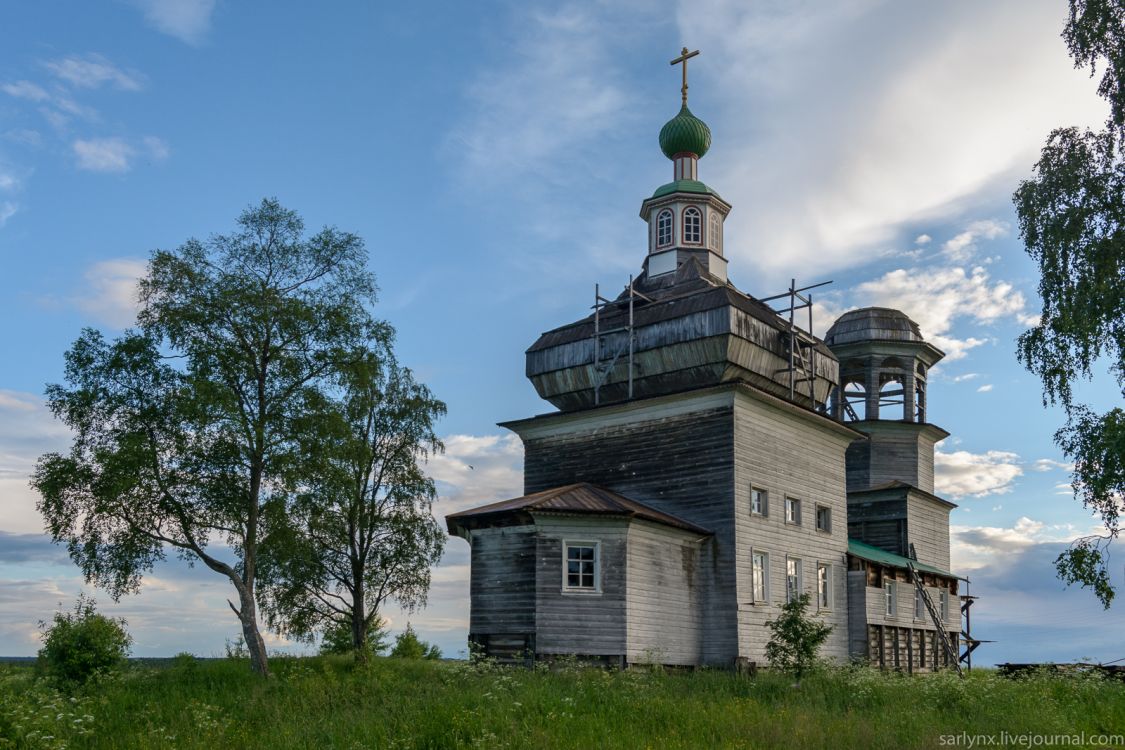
(409, 646)
(360, 530)
(82, 644)
(189, 425)
(399, 704)
(1072, 220)
(795, 638)
(337, 638)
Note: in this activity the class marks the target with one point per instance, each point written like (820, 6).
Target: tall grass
(328, 702)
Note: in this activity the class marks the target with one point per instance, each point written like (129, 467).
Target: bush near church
(80, 644)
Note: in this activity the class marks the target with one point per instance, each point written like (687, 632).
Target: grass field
(328, 703)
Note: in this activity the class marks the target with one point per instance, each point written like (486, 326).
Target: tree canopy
(359, 531)
(190, 425)
(1072, 220)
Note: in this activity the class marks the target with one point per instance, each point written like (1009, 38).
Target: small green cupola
(685, 217)
(685, 134)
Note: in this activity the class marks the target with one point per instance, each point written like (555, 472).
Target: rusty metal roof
(583, 498)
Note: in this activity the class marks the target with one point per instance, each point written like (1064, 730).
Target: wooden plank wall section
(664, 617)
(928, 529)
(857, 609)
(789, 455)
(675, 455)
(589, 624)
(502, 581)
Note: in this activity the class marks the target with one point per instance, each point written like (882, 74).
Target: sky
(494, 155)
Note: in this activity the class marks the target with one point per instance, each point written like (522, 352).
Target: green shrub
(796, 637)
(80, 644)
(338, 638)
(409, 646)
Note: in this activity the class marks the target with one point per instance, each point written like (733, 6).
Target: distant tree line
(256, 405)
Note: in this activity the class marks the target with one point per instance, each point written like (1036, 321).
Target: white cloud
(103, 154)
(1049, 464)
(27, 430)
(975, 546)
(110, 294)
(936, 297)
(116, 154)
(962, 247)
(923, 239)
(985, 388)
(8, 209)
(477, 469)
(25, 90)
(839, 126)
(965, 376)
(187, 20)
(961, 473)
(92, 71)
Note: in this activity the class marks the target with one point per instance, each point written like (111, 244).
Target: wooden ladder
(942, 635)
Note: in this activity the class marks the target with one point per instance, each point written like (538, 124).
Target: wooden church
(711, 459)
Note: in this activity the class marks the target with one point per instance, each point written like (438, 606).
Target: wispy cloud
(961, 473)
(961, 247)
(110, 294)
(187, 20)
(838, 127)
(116, 154)
(1050, 464)
(985, 388)
(92, 71)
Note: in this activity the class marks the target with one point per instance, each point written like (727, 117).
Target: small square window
(824, 519)
(759, 502)
(581, 566)
(792, 510)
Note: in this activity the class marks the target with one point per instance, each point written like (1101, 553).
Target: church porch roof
(580, 498)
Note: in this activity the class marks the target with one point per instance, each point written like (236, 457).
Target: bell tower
(884, 363)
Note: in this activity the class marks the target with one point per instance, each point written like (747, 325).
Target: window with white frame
(824, 519)
(824, 586)
(889, 593)
(943, 604)
(792, 510)
(713, 223)
(664, 228)
(693, 226)
(760, 572)
(581, 572)
(759, 501)
(792, 578)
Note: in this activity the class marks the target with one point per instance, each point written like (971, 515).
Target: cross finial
(683, 58)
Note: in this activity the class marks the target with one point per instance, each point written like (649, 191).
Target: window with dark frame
(582, 566)
(824, 586)
(761, 573)
(693, 226)
(824, 519)
(792, 578)
(759, 501)
(664, 228)
(792, 510)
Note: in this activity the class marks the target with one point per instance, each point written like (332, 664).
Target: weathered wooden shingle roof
(898, 484)
(867, 552)
(872, 324)
(582, 498)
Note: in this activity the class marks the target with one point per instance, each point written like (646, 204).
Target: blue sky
(494, 156)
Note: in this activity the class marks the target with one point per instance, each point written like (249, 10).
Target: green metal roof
(684, 186)
(685, 134)
(890, 559)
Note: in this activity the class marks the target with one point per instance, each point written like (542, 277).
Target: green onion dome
(685, 133)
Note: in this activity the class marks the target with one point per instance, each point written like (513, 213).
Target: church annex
(709, 459)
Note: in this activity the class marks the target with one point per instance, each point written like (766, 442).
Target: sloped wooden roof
(581, 498)
(881, 556)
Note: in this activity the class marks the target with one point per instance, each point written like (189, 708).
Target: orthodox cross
(683, 58)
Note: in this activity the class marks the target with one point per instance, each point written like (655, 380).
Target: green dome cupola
(685, 134)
